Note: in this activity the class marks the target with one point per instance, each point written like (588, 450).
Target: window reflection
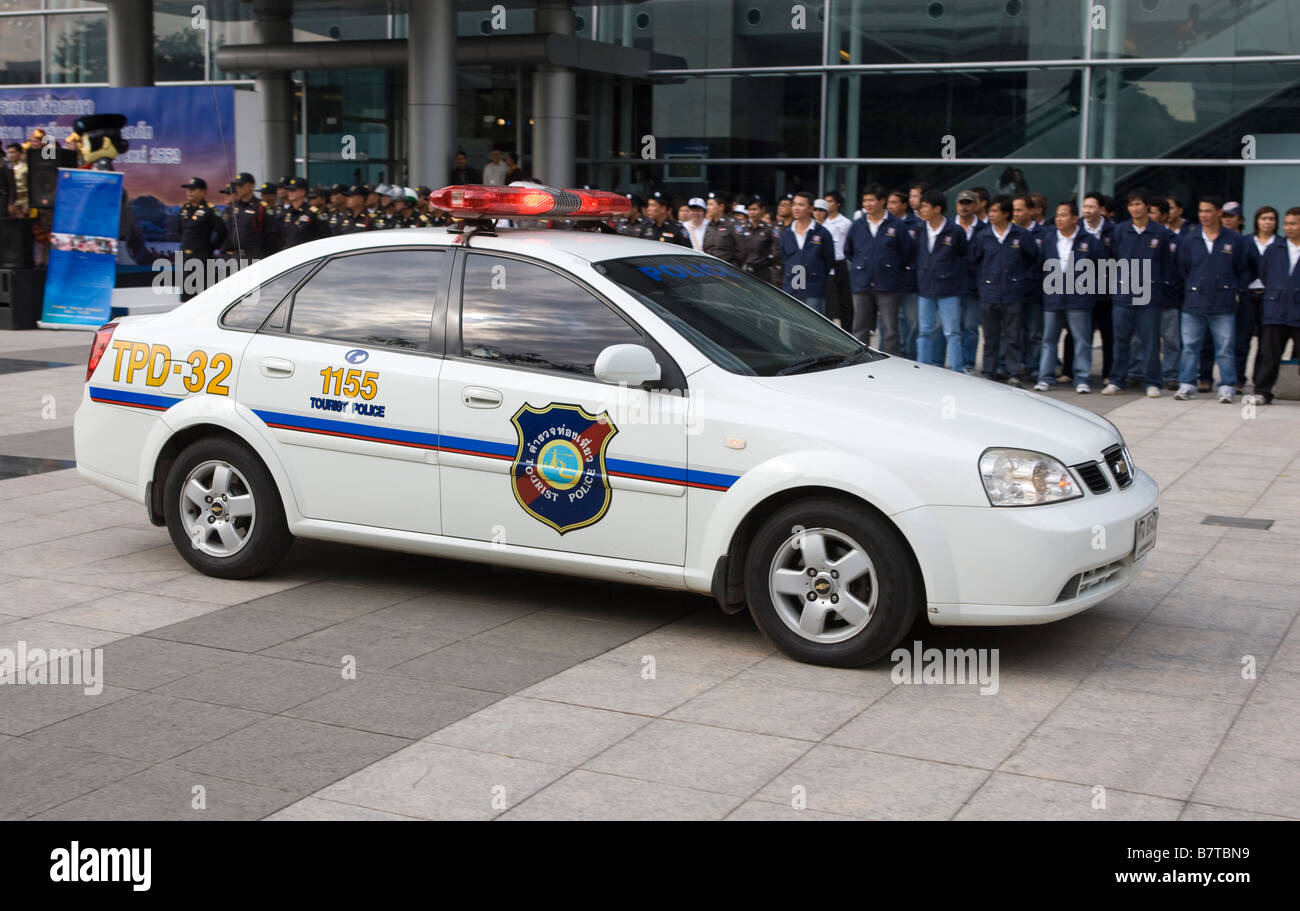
(251, 310)
(383, 298)
(518, 313)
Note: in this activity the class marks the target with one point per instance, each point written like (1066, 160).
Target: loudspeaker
(43, 175)
(15, 243)
(22, 292)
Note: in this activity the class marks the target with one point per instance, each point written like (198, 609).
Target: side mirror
(630, 364)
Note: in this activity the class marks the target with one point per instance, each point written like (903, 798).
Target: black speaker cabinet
(43, 175)
(22, 291)
(15, 243)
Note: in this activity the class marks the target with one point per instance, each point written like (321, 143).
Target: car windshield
(742, 324)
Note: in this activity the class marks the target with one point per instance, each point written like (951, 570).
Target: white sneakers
(1186, 391)
(1042, 387)
(1153, 392)
(1083, 389)
(1111, 389)
(1225, 394)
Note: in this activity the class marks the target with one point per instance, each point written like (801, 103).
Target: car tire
(223, 510)
(867, 590)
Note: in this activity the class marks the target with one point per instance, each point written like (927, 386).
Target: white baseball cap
(821, 204)
(696, 202)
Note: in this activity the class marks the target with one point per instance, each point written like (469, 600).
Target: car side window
(519, 313)
(385, 297)
(250, 311)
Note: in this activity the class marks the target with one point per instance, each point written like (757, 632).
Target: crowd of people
(1171, 300)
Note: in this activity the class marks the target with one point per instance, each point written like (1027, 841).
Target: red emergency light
(476, 201)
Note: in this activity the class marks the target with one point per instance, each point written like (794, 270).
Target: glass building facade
(773, 95)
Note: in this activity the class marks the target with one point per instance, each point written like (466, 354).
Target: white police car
(606, 407)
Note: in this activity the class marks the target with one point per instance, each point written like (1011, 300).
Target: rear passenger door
(343, 376)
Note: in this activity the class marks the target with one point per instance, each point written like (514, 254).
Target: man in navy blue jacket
(1280, 314)
(1212, 261)
(877, 250)
(1023, 211)
(1144, 252)
(907, 320)
(940, 279)
(1005, 257)
(808, 255)
(1069, 294)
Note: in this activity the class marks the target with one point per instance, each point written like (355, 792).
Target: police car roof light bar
(475, 201)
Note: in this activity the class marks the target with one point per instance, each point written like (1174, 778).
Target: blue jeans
(907, 324)
(816, 303)
(1221, 326)
(1080, 323)
(1171, 335)
(1142, 359)
(970, 329)
(946, 313)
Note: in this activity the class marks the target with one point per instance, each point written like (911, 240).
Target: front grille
(1092, 475)
(1118, 463)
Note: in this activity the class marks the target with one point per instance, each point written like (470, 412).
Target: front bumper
(988, 566)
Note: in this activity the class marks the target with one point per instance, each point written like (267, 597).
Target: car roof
(592, 246)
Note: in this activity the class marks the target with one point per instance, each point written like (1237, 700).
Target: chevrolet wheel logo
(822, 586)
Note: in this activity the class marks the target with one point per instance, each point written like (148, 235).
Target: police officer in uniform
(719, 230)
(634, 223)
(281, 191)
(271, 221)
(355, 217)
(338, 197)
(657, 208)
(202, 231)
(318, 197)
(245, 221)
(756, 245)
(299, 222)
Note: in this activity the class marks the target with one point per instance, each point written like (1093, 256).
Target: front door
(534, 450)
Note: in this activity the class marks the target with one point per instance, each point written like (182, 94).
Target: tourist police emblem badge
(558, 474)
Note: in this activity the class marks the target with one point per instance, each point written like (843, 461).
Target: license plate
(1144, 534)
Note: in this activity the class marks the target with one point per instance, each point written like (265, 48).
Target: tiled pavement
(482, 693)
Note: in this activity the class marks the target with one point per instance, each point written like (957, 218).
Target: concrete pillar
(273, 25)
(554, 103)
(431, 92)
(130, 43)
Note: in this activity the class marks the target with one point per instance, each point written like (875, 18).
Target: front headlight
(1019, 477)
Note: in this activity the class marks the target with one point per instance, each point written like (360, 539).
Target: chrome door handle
(480, 397)
(276, 367)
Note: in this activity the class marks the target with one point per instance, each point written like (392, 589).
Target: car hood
(895, 391)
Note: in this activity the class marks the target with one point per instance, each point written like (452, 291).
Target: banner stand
(83, 250)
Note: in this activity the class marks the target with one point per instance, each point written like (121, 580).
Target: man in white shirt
(495, 171)
(694, 224)
(840, 299)
(968, 219)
